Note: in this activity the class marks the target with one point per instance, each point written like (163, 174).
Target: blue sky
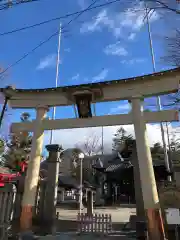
(104, 44)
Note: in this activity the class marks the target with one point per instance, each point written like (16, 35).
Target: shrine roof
(115, 163)
(118, 166)
(97, 84)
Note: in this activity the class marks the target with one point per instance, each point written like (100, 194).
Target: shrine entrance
(82, 97)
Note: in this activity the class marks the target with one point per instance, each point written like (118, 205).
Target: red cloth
(23, 166)
(8, 177)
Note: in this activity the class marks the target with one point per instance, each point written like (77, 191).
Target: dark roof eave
(99, 83)
(99, 168)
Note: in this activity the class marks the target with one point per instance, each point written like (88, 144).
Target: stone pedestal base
(26, 218)
(139, 225)
(26, 236)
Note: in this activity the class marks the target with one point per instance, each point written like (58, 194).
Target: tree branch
(91, 145)
(164, 5)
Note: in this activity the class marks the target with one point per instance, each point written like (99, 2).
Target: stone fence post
(89, 202)
(52, 184)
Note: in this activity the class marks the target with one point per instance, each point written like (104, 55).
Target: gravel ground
(67, 225)
(119, 215)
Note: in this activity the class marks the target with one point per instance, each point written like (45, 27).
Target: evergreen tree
(2, 145)
(157, 148)
(19, 147)
(2, 148)
(157, 152)
(120, 138)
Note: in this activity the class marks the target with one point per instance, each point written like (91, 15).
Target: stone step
(74, 236)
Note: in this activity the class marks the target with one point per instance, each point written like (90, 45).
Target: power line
(10, 3)
(86, 9)
(28, 53)
(17, 1)
(51, 36)
(58, 18)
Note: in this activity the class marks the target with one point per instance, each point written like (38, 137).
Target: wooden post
(42, 196)
(148, 183)
(32, 177)
(89, 203)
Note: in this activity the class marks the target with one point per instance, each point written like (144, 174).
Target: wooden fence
(7, 201)
(97, 223)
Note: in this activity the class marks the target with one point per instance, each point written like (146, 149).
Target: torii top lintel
(145, 86)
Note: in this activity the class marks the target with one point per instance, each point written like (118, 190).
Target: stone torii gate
(83, 96)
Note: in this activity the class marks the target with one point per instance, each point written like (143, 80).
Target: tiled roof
(115, 167)
(103, 161)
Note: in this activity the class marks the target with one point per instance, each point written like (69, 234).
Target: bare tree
(172, 49)
(91, 145)
(164, 4)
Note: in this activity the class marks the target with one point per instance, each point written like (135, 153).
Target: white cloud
(63, 136)
(82, 3)
(115, 49)
(95, 24)
(47, 62)
(132, 36)
(67, 50)
(133, 61)
(122, 108)
(75, 77)
(119, 23)
(101, 76)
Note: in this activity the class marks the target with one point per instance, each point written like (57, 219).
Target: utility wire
(17, 1)
(10, 4)
(28, 53)
(58, 18)
(79, 14)
(50, 37)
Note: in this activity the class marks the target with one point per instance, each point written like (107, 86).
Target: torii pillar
(148, 182)
(32, 176)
